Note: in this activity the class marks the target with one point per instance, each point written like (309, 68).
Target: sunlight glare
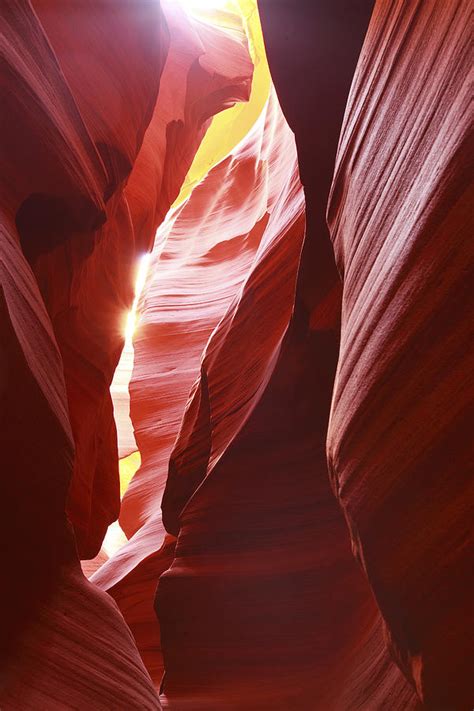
(208, 5)
(139, 284)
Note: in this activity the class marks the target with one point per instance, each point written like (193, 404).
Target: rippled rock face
(63, 642)
(80, 88)
(399, 227)
(146, 83)
(296, 534)
(248, 219)
(398, 435)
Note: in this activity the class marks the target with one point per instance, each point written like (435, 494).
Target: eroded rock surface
(300, 387)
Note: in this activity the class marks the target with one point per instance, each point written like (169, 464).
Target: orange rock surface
(290, 523)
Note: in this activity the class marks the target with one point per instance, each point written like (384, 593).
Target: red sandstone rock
(262, 605)
(263, 578)
(203, 254)
(60, 185)
(78, 653)
(63, 643)
(249, 587)
(398, 436)
(88, 304)
(263, 567)
(239, 214)
(207, 70)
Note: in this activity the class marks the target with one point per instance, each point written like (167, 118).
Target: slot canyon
(236, 311)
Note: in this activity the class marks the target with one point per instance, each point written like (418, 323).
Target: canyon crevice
(257, 494)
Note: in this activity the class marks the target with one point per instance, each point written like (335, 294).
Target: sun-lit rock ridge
(247, 212)
(284, 248)
(47, 607)
(137, 127)
(66, 228)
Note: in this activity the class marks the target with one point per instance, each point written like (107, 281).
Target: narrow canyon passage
(235, 365)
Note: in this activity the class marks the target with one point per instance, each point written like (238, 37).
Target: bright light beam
(139, 284)
(208, 5)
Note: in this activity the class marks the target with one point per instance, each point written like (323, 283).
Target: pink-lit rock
(63, 643)
(87, 281)
(249, 207)
(398, 440)
(298, 528)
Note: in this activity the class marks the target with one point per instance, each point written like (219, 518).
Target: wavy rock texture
(78, 653)
(398, 436)
(240, 212)
(88, 304)
(62, 207)
(398, 103)
(218, 612)
(208, 61)
(84, 278)
(260, 578)
(299, 394)
(202, 255)
(32, 380)
(63, 643)
(263, 562)
(207, 70)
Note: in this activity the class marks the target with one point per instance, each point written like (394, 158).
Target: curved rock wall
(300, 391)
(136, 132)
(75, 122)
(245, 207)
(398, 441)
(63, 643)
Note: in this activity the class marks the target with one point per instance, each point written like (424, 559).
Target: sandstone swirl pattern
(297, 533)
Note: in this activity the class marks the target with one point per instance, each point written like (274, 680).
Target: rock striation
(297, 533)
